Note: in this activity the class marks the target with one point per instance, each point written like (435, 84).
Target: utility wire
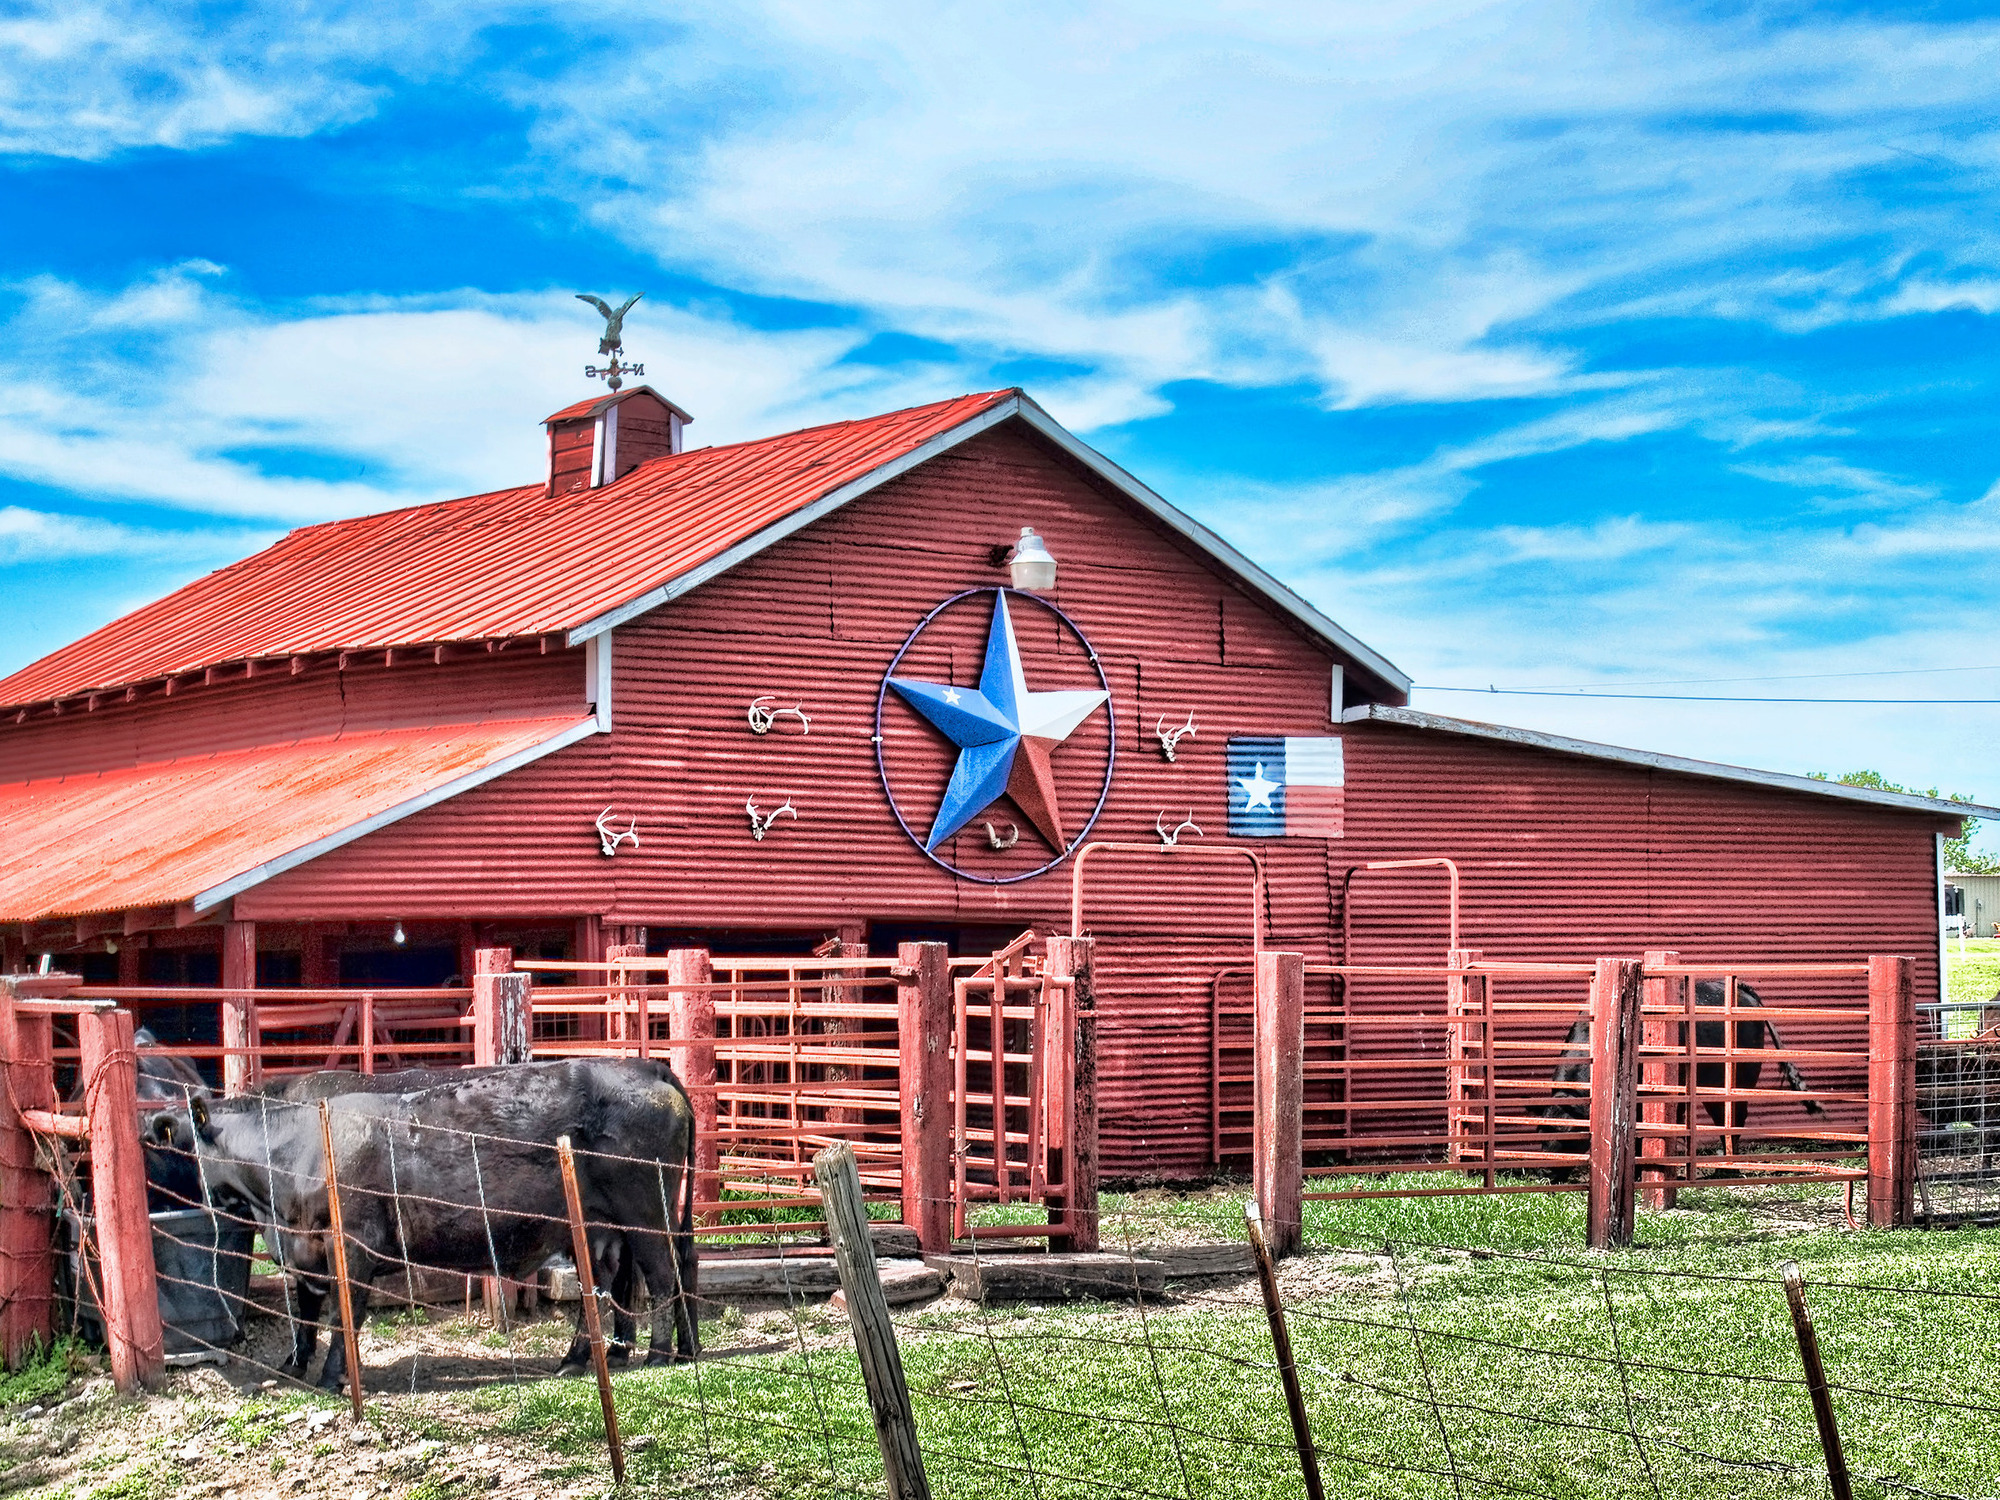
(1435, 687)
(1784, 677)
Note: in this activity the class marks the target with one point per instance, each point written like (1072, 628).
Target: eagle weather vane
(613, 343)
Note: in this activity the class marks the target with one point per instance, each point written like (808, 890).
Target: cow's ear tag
(163, 1129)
(198, 1112)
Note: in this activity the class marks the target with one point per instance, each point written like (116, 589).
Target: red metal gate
(1014, 1047)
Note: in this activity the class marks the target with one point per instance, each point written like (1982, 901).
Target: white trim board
(1535, 739)
(1024, 407)
(235, 885)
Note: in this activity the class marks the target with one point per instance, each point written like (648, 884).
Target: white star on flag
(1257, 788)
(951, 696)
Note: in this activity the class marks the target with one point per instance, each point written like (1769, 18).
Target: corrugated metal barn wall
(1563, 857)
(815, 621)
(1566, 858)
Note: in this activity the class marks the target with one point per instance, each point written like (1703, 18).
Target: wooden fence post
(1278, 1152)
(593, 1320)
(502, 1010)
(350, 1336)
(1892, 1091)
(239, 1010)
(110, 1071)
(1654, 1031)
(1076, 1074)
(839, 1180)
(1615, 992)
(27, 1193)
(924, 1027)
(692, 1034)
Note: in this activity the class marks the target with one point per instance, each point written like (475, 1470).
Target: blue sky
(1540, 344)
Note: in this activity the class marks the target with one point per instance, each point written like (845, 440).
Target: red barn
(531, 718)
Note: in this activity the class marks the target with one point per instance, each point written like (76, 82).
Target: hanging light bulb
(1030, 563)
(399, 938)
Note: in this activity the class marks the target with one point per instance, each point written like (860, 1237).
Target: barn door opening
(1013, 1043)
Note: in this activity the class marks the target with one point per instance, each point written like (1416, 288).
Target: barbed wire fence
(1116, 1374)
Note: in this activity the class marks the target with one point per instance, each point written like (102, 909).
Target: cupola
(598, 441)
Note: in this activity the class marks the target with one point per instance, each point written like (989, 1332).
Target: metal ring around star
(1111, 724)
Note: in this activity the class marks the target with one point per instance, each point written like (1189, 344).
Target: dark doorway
(410, 968)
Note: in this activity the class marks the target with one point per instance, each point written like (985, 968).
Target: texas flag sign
(1285, 786)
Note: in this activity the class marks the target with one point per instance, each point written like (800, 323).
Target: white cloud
(34, 536)
(193, 400)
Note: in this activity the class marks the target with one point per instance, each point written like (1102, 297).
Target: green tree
(1958, 853)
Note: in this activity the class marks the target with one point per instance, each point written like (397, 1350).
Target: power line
(1432, 687)
(1706, 681)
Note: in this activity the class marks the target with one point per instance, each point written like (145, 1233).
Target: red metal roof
(510, 563)
(162, 834)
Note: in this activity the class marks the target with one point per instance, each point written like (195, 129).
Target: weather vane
(612, 374)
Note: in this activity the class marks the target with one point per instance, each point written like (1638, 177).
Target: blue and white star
(1004, 734)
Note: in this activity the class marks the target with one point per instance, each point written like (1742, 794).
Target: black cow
(613, 1268)
(480, 1187)
(1572, 1078)
(171, 1179)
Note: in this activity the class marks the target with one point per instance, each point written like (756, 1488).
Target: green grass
(1976, 974)
(47, 1373)
(1077, 1394)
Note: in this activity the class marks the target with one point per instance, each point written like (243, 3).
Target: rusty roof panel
(510, 563)
(161, 834)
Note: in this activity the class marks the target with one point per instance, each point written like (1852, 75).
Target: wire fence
(1428, 1366)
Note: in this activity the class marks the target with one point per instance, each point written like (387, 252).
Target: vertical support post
(692, 1033)
(841, 991)
(1615, 992)
(923, 1025)
(593, 1322)
(110, 1070)
(1281, 1345)
(839, 1179)
(629, 1021)
(1076, 1074)
(1822, 1400)
(1892, 1091)
(27, 1197)
(1278, 1155)
(1659, 992)
(239, 974)
(350, 1340)
(502, 1010)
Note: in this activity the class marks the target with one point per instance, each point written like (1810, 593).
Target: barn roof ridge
(509, 562)
(1537, 739)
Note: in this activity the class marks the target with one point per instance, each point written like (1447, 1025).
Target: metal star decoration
(1004, 735)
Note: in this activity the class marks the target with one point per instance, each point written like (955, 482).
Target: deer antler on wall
(995, 841)
(608, 839)
(1169, 837)
(760, 823)
(1170, 739)
(762, 718)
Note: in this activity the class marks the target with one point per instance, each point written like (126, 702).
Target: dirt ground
(240, 1432)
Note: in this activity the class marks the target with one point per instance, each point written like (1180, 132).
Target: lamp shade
(1031, 565)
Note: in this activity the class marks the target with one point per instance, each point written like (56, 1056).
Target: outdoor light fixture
(398, 935)
(1032, 567)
